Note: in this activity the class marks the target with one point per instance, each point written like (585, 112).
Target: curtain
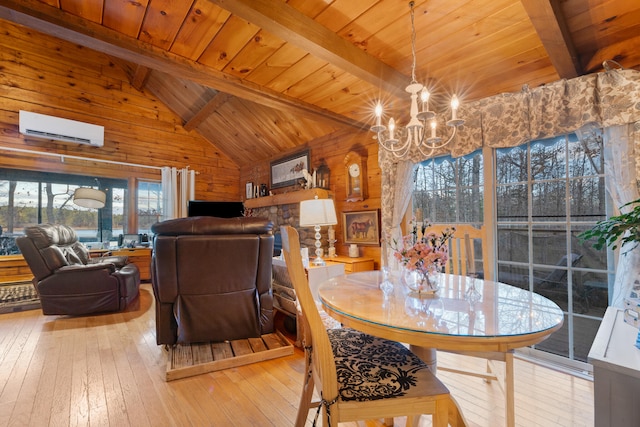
(187, 191)
(401, 174)
(620, 172)
(176, 195)
(169, 192)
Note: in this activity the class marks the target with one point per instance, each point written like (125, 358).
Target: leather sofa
(68, 281)
(211, 279)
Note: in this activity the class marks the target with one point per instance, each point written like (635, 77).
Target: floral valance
(511, 119)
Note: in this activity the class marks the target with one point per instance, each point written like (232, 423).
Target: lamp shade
(317, 212)
(89, 198)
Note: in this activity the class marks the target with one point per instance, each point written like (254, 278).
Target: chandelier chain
(400, 140)
(413, 45)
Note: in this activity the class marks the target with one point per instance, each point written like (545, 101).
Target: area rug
(18, 297)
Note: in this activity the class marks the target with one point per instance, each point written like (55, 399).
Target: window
(548, 192)
(29, 197)
(450, 190)
(149, 205)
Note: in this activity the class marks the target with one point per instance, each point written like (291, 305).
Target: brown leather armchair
(68, 281)
(212, 279)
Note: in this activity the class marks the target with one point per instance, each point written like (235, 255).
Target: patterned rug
(18, 297)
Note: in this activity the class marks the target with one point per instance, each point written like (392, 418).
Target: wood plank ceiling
(260, 77)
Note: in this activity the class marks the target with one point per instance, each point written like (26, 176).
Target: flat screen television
(219, 209)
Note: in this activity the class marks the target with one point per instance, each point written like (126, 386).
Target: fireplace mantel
(287, 198)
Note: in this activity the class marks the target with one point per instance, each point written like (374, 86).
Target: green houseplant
(625, 226)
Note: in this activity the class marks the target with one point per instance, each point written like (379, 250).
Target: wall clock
(356, 173)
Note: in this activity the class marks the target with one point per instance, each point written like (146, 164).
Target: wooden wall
(332, 150)
(46, 75)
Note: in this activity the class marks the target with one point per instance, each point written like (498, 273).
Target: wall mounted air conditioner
(49, 127)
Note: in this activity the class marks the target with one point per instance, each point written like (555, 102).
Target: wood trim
(288, 198)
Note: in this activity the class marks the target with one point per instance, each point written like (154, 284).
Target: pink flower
(427, 254)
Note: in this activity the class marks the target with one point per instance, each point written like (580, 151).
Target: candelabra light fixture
(398, 140)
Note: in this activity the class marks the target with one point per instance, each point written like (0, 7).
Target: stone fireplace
(284, 209)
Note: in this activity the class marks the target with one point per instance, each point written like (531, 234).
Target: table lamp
(316, 213)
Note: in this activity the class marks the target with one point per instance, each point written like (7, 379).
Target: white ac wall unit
(56, 128)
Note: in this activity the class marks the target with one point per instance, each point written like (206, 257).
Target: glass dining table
(466, 315)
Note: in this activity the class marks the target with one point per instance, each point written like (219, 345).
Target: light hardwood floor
(108, 371)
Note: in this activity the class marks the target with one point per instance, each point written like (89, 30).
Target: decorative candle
(332, 234)
(378, 113)
(433, 128)
(454, 106)
(424, 97)
(392, 126)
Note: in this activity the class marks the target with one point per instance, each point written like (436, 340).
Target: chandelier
(398, 140)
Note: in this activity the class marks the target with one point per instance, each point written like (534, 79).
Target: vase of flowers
(422, 258)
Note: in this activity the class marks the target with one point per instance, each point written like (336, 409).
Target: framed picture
(361, 227)
(249, 190)
(288, 171)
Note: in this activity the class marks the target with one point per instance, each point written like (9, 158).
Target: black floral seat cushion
(372, 368)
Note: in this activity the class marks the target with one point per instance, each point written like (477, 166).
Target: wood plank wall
(332, 150)
(46, 75)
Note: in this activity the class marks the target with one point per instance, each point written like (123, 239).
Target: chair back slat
(462, 254)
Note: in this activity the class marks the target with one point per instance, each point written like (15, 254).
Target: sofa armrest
(71, 269)
(118, 261)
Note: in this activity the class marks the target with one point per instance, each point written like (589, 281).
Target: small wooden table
(501, 318)
(352, 264)
(141, 257)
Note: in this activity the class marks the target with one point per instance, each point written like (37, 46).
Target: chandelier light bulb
(433, 128)
(378, 113)
(454, 107)
(424, 97)
(392, 127)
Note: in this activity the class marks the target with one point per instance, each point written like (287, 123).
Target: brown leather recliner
(68, 281)
(212, 279)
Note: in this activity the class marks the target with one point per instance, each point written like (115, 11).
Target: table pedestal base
(427, 355)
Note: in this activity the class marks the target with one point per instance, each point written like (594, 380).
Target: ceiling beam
(57, 23)
(217, 101)
(627, 51)
(140, 76)
(548, 20)
(292, 26)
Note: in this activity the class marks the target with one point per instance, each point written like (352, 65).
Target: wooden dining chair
(463, 262)
(359, 376)
(462, 254)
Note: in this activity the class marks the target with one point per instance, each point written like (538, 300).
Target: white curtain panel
(176, 195)
(401, 198)
(169, 191)
(187, 191)
(620, 170)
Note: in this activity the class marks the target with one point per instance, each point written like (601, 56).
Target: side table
(141, 257)
(352, 265)
(616, 371)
